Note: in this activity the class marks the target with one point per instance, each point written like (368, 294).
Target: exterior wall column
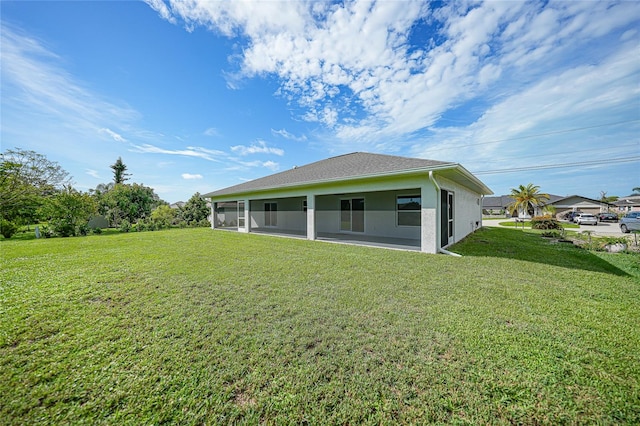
(429, 219)
(311, 217)
(213, 215)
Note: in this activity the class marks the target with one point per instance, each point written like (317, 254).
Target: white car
(585, 219)
(630, 222)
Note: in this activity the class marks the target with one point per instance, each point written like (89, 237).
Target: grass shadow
(531, 247)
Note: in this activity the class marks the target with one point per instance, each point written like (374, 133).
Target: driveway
(605, 229)
(602, 228)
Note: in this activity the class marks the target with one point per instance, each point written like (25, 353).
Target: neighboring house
(563, 205)
(500, 205)
(369, 198)
(628, 204)
(579, 203)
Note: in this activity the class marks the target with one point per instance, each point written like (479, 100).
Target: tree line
(35, 190)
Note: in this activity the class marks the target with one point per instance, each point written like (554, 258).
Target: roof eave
(481, 187)
(406, 172)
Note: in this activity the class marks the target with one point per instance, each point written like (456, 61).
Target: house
(579, 203)
(628, 204)
(360, 198)
(563, 205)
(500, 205)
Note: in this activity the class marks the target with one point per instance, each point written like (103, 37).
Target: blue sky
(200, 95)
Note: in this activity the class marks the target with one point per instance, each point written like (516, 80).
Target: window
(270, 214)
(409, 210)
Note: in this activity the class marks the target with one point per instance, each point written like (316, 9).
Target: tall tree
(526, 199)
(636, 190)
(120, 174)
(26, 178)
(128, 202)
(69, 211)
(195, 211)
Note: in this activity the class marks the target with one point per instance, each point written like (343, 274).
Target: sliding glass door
(352, 215)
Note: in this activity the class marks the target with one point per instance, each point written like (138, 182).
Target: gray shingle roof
(336, 168)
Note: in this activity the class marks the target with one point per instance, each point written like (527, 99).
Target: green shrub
(97, 231)
(125, 226)
(545, 223)
(84, 230)
(614, 240)
(552, 234)
(7, 228)
(46, 231)
(63, 228)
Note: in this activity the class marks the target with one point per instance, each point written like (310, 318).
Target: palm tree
(526, 199)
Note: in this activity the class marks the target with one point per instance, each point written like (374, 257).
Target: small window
(408, 209)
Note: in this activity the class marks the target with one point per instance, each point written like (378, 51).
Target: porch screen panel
(409, 210)
(241, 214)
(345, 215)
(357, 215)
(270, 214)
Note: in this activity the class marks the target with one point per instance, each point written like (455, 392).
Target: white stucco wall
(467, 208)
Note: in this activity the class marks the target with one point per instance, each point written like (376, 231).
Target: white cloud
(189, 176)
(162, 9)
(116, 137)
(258, 148)
(190, 151)
(546, 118)
(212, 131)
(271, 165)
(356, 68)
(33, 79)
(92, 173)
(287, 135)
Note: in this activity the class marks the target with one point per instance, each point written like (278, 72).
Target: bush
(552, 234)
(46, 232)
(125, 226)
(7, 228)
(545, 223)
(84, 230)
(63, 228)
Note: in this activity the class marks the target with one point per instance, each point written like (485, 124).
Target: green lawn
(194, 326)
(527, 224)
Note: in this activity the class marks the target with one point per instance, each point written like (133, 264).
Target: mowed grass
(196, 326)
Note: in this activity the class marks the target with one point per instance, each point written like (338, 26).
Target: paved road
(602, 228)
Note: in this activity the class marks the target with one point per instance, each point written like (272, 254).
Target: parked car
(630, 222)
(571, 215)
(607, 217)
(586, 219)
